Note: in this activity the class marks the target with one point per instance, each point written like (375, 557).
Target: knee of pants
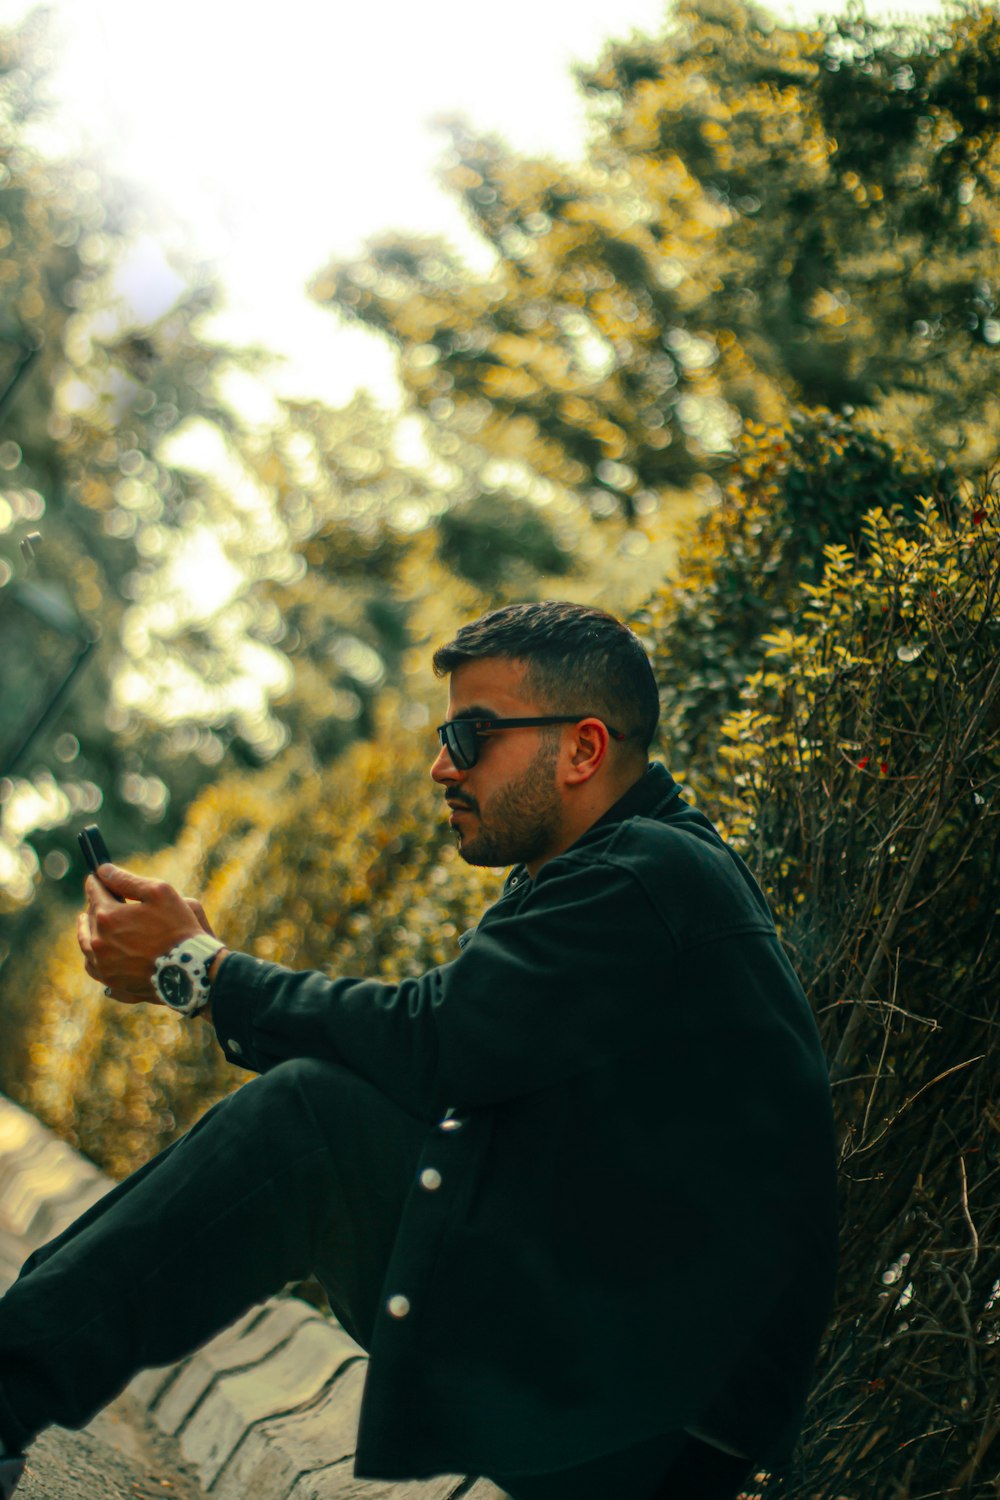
(310, 1074)
(301, 1091)
(320, 1098)
(307, 1104)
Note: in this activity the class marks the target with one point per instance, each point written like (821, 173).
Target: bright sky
(271, 138)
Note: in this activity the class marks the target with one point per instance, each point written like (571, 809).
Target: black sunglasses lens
(463, 743)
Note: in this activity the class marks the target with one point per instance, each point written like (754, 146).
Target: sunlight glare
(200, 574)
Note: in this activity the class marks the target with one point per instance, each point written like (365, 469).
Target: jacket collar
(649, 797)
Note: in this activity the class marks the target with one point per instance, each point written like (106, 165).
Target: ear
(588, 749)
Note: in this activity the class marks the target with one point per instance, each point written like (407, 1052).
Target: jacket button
(451, 1123)
(430, 1178)
(398, 1306)
(234, 1046)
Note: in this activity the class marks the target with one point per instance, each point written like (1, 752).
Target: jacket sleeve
(548, 987)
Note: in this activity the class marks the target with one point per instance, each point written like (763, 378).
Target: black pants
(301, 1172)
(669, 1467)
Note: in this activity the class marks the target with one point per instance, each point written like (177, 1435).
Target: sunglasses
(460, 737)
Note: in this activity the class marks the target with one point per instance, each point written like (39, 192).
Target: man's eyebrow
(476, 711)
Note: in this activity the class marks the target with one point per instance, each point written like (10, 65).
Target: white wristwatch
(180, 977)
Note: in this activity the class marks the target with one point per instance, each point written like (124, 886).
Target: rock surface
(266, 1411)
(120, 1456)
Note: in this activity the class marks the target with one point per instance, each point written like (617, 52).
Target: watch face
(175, 985)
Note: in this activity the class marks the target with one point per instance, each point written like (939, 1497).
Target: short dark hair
(578, 659)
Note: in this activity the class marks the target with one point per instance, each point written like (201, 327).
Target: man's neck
(583, 815)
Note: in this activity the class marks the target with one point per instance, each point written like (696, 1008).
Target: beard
(521, 821)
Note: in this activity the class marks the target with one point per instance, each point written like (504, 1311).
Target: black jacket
(635, 1229)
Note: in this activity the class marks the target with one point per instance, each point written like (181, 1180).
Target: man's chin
(474, 854)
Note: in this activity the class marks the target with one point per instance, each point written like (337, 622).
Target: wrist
(205, 1014)
(216, 964)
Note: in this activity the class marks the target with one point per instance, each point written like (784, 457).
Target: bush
(792, 490)
(864, 786)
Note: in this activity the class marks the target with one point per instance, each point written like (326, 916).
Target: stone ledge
(268, 1410)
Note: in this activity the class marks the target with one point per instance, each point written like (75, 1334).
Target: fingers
(98, 895)
(83, 939)
(132, 887)
(115, 987)
(148, 906)
(199, 912)
(121, 939)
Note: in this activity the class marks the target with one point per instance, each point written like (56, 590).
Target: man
(574, 1190)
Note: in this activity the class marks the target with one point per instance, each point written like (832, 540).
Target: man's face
(506, 809)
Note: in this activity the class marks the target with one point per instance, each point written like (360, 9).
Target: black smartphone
(95, 851)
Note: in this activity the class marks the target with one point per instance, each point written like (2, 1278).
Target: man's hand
(121, 942)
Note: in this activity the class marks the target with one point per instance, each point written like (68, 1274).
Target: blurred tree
(765, 216)
(372, 548)
(50, 241)
(92, 454)
(250, 584)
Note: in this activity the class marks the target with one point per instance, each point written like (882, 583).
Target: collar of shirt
(649, 797)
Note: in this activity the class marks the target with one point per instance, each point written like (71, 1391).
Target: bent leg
(301, 1171)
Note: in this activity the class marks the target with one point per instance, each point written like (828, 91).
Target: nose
(443, 769)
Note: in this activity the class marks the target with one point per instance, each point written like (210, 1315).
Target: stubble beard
(521, 822)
